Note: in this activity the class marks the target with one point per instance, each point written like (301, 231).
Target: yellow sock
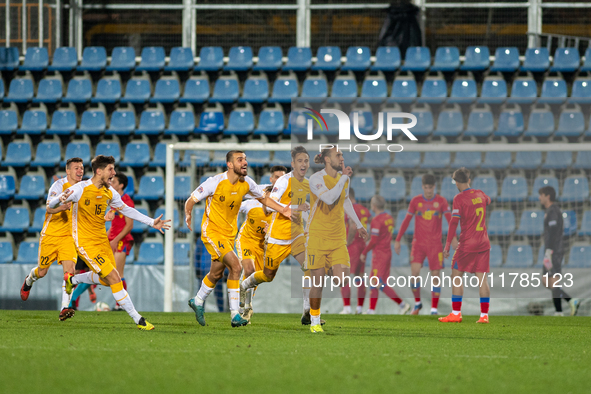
(314, 312)
(208, 282)
(233, 284)
(117, 287)
(37, 273)
(261, 277)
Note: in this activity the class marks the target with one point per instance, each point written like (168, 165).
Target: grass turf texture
(104, 352)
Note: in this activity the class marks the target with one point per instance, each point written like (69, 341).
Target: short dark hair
(230, 155)
(101, 162)
(297, 150)
(122, 178)
(74, 160)
(548, 191)
(461, 175)
(428, 179)
(278, 168)
(351, 192)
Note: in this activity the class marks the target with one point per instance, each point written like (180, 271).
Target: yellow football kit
(250, 243)
(301, 191)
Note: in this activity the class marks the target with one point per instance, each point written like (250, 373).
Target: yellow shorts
(322, 253)
(56, 248)
(275, 254)
(218, 246)
(249, 249)
(99, 258)
(298, 245)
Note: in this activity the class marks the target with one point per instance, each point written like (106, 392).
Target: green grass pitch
(103, 352)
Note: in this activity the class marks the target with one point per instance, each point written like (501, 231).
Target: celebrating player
(355, 246)
(381, 237)
(223, 194)
(90, 200)
(473, 252)
(250, 243)
(326, 240)
(55, 240)
(429, 209)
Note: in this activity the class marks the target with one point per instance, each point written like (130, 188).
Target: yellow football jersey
(300, 191)
(57, 224)
(327, 215)
(280, 229)
(257, 221)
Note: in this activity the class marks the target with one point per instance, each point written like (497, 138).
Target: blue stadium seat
(79, 91)
(448, 188)
(417, 59)
(352, 159)
(256, 90)
(38, 220)
(271, 122)
(159, 159)
(365, 121)
(585, 224)
(181, 59)
(402, 260)
(138, 227)
(108, 148)
(328, 59)
(558, 160)
(540, 123)
(486, 183)
(387, 59)
(175, 219)
(79, 149)
(151, 187)
(166, 91)
(467, 159)
(211, 122)
(496, 160)
(332, 124)
(553, 91)
(494, 90)
(447, 59)
(36, 59)
(151, 122)
(424, 126)
(32, 187)
(575, 189)
(122, 59)
(9, 58)
(241, 122)
(225, 90)
(258, 158)
(64, 59)
(196, 91)
(566, 60)
(34, 122)
(284, 89)
(8, 121)
(436, 160)
(63, 122)
(93, 59)
(50, 90)
(18, 154)
(536, 60)
(519, 256)
(404, 90)
(506, 59)
(501, 222)
(514, 189)
(297, 122)
(579, 256)
(239, 59)
(496, 256)
(571, 123)
(344, 87)
(365, 187)
(202, 158)
(314, 88)
(197, 218)
(182, 187)
(137, 91)
(434, 90)
(2, 89)
(581, 91)
(541, 181)
(298, 59)
(28, 253)
(524, 90)
(569, 217)
(527, 160)
(406, 160)
(476, 59)
(122, 123)
(510, 124)
(181, 253)
(152, 59)
(583, 161)
(587, 62)
(375, 160)
(463, 90)
(531, 223)
(480, 123)
(92, 122)
(108, 90)
(137, 154)
(16, 220)
(210, 59)
(150, 253)
(282, 158)
(7, 187)
(410, 230)
(393, 188)
(358, 59)
(374, 88)
(48, 154)
(450, 123)
(181, 123)
(270, 59)
(20, 91)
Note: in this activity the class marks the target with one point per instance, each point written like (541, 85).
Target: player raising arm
(473, 252)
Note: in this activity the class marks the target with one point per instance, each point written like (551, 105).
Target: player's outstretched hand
(110, 215)
(445, 253)
(287, 212)
(397, 247)
(65, 195)
(160, 224)
(305, 207)
(188, 222)
(363, 233)
(348, 171)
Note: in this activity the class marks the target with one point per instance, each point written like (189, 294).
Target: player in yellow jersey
(223, 194)
(90, 200)
(326, 238)
(55, 240)
(250, 243)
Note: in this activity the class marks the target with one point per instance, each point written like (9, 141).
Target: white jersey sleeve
(56, 188)
(280, 187)
(256, 191)
(206, 189)
(77, 190)
(132, 213)
(319, 188)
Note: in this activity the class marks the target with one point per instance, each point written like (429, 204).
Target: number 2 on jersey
(480, 213)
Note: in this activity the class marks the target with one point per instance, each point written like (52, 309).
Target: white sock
(456, 312)
(203, 293)
(65, 296)
(234, 301)
(359, 309)
(371, 311)
(402, 305)
(433, 310)
(88, 277)
(483, 314)
(124, 301)
(347, 309)
(249, 283)
(31, 278)
(315, 320)
(306, 293)
(248, 299)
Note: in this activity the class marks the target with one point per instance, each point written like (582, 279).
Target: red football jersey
(364, 215)
(428, 216)
(470, 207)
(119, 222)
(381, 234)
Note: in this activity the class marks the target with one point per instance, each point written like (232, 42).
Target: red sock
(360, 295)
(435, 293)
(392, 294)
(373, 300)
(416, 291)
(484, 304)
(346, 294)
(456, 303)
